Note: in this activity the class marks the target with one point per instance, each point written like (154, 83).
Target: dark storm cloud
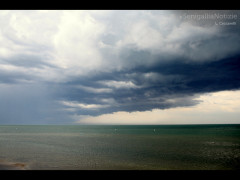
(162, 86)
(144, 60)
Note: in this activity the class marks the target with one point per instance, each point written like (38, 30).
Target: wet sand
(12, 166)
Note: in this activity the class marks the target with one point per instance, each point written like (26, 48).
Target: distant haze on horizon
(119, 67)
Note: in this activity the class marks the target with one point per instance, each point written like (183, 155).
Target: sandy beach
(12, 166)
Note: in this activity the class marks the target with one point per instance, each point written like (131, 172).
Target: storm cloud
(98, 62)
(163, 86)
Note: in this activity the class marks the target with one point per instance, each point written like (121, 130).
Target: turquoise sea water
(161, 147)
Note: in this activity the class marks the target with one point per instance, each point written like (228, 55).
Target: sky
(119, 67)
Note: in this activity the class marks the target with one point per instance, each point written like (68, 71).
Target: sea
(120, 147)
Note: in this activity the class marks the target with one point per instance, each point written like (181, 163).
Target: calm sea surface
(171, 147)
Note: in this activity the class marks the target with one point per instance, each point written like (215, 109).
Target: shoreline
(12, 166)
